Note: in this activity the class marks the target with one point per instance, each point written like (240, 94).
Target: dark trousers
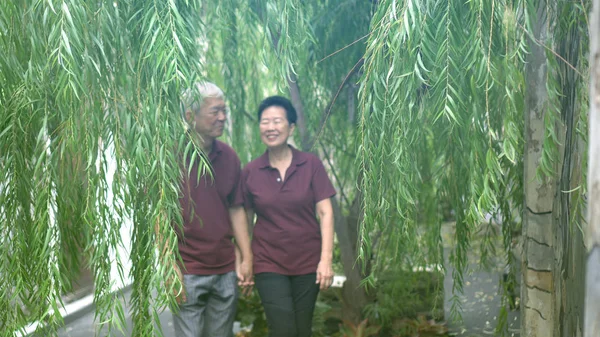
(289, 303)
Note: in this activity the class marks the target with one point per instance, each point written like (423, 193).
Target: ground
(480, 304)
(481, 299)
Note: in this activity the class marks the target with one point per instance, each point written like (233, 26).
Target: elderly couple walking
(290, 256)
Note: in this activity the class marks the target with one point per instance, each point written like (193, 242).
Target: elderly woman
(289, 191)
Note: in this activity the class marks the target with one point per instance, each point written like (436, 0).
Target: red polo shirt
(206, 247)
(287, 234)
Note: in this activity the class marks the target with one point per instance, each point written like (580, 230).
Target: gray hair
(194, 97)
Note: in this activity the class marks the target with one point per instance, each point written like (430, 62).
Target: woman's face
(274, 127)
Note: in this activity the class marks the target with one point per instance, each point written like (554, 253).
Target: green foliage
(321, 315)
(402, 294)
(425, 106)
(442, 98)
(421, 327)
(361, 329)
(90, 134)
(250, 314)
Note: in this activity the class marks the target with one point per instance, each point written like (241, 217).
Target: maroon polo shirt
(287, 234)
(206, 247)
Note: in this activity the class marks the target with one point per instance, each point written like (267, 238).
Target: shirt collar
(298, 158)
(215, 150)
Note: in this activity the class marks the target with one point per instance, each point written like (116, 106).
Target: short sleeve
(321, 184)
(246, 195)
(236, 198)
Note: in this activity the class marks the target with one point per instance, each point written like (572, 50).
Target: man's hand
(245, 277)
(243, 252)
(324, 274)
(179, 294)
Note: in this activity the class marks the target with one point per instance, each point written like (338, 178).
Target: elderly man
(213, 215)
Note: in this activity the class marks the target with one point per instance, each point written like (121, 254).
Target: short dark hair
(279, 101)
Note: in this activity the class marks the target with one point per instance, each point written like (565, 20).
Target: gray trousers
(210, 307)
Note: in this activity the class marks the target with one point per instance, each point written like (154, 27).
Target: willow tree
(482, 104)
(82, 85)
(411, 104)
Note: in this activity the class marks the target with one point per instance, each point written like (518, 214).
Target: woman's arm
(242, 242)
(325, 270)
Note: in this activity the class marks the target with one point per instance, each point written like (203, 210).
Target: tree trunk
(569, 250)
(354, 298)
(537, 311)
(592, 301)
(301, 121)
(553, 252)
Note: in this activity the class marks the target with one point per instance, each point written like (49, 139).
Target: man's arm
(243, 252)
(238, 252)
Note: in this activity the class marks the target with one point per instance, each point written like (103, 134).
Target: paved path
(480, 304)
(481, 297)
(83, 325)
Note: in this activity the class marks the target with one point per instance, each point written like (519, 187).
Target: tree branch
(301, 121)
(341, 184)
(327, 111)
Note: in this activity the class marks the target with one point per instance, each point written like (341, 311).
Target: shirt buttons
(278, 180)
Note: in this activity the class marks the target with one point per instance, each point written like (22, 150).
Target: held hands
(245, 277)
(324, 274)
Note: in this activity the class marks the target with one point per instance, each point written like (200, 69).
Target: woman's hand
(324, 274)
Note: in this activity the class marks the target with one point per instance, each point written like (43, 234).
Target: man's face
(209, 122)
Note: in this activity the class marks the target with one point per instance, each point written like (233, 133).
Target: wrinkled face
(274, 127)
(209, 120)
